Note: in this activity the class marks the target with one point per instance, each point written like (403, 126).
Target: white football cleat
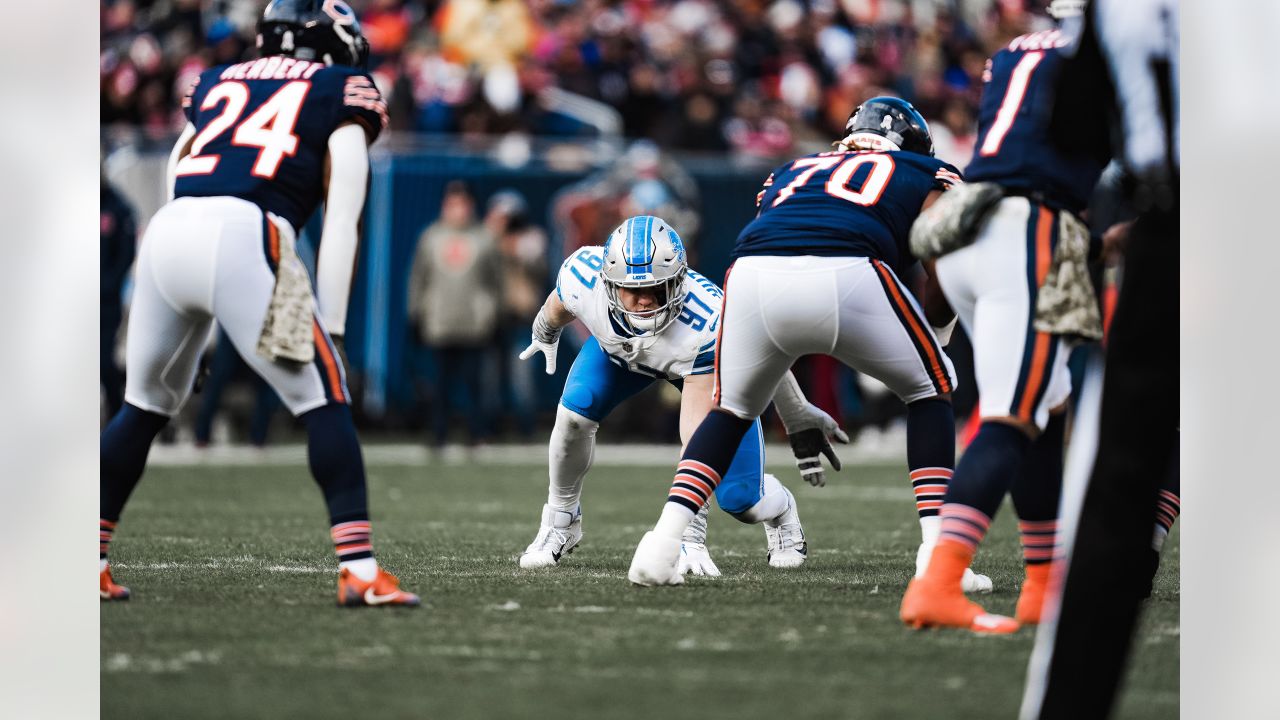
(787, 547)
(656, 561)
(972, 582)
(694, 558)
(559, 535)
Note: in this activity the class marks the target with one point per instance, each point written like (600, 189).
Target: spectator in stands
(119, 238)
(750, 75)
(523, 247)
(454, 300)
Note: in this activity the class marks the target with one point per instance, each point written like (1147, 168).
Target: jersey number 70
(269, 128)
(868, 193)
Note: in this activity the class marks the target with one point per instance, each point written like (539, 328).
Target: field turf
(233, 612)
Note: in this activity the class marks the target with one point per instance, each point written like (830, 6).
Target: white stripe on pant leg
(1075, 483)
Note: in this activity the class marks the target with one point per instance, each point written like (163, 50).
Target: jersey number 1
(269, 128)
(1013, 96)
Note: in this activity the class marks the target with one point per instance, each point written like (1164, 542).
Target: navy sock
(989, 465)
(931, 452)
(123, 449)
(1037, 489)
(707, 458)
(333, 452)
(1038, 486)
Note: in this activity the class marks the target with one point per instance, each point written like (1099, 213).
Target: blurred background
(524, 130)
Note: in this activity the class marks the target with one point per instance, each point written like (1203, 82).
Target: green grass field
(233, 612)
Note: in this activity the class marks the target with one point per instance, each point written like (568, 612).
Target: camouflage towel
(1066, 304)
(952, 221)
(287, 333)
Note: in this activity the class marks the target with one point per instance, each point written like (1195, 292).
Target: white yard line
(186, 455)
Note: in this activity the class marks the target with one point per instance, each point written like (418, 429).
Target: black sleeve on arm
(1084, 104)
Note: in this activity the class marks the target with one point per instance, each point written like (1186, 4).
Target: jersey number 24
(269, 128)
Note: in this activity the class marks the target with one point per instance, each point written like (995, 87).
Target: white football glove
(694, 558)
(811, 438)
(656, 561)
(546, 340)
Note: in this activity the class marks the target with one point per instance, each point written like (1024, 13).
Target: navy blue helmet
(890, 119)
(324, 31)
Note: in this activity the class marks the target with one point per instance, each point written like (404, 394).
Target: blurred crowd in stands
(759, 77)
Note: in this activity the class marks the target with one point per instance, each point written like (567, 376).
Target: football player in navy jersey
(268, 140)
(1023, 381)
(817, 272)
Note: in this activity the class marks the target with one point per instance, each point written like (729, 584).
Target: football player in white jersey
(651, 317)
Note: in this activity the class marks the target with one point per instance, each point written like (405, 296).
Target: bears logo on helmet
(887, 123)
(321, 30)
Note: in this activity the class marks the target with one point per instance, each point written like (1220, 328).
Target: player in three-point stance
(651, 318)
(1023, 381)
(817, 272)
(267, 141)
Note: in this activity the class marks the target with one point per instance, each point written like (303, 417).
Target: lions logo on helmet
(645, 252)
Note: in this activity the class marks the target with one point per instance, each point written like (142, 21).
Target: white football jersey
(686, 347)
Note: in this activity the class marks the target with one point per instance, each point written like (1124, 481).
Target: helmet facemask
(644, 252)
(655, 320)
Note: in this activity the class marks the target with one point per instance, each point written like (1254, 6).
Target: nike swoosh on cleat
(994, 623)
(556, 556)
(373, 598)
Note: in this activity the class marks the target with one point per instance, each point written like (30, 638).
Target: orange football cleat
(384, 590)
(108, 590)
(936, 599)
(1031, 601)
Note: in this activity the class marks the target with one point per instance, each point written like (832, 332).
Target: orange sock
(948, 563)
(1031, 600)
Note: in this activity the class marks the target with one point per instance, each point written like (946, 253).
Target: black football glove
(808, 444)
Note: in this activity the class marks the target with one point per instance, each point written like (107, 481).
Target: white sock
(365, 568)
(773, 504)
(102, 565)
(675, 518)
(930, 529)
(1158, 537)
(572, 448)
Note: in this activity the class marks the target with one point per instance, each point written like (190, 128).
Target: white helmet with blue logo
(645, 252)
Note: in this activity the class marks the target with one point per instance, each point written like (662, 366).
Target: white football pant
(852, 308)
(207, 259)
(992, 285)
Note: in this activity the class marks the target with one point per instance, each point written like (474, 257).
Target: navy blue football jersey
(262, 131)
(856, 203)
(1014, 148)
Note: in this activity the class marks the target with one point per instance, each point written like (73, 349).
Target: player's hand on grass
(814, 439)
(546, 340)
(695, 560)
